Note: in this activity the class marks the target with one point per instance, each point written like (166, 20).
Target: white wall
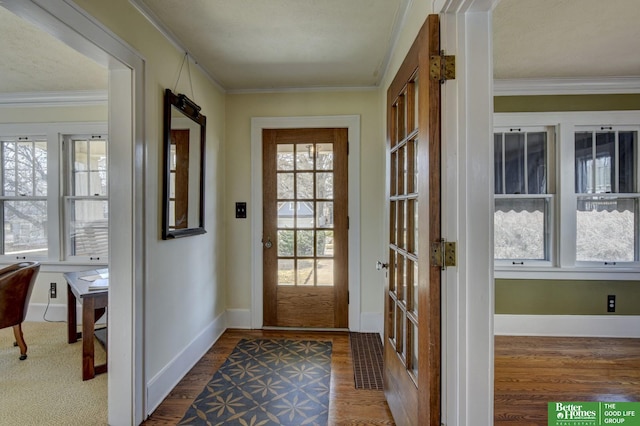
(371, 106)
(240, 109)
(184, 292)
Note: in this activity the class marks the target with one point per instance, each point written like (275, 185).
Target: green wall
(566, 103)
(566, 297)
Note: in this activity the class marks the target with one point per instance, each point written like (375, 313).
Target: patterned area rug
(267, 382)
(366, 351)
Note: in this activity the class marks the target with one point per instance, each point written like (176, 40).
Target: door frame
(352, 123)
(71, 25)
(467, 213)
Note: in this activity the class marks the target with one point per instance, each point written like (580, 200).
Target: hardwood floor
(529, 373)
(348, 406)
(532, 371)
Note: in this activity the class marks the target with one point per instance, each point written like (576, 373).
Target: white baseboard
(57, 312)
(371, 322)
(238, 318)
(163, 382)
(38, 312)
(567, 325)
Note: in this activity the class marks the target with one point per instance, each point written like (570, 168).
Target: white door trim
(73, 26)
(467, 213)
(352, 122)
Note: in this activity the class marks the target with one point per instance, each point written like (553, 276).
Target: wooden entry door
(179, 177)
(412, 293)
(305, 228)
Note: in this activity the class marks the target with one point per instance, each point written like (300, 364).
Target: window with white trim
(86, 199)
(24, 196)
(606, 192)
(524, 191)
(567, 192)
(54, 199)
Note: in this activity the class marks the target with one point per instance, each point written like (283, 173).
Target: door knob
(267, 244)
(380, 266)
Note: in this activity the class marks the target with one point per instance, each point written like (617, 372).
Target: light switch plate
(241, 210)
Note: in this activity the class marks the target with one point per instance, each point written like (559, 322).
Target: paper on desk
(99, 284)
(94, 277)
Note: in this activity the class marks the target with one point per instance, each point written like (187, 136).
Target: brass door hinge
(443, 254)
(442, 67)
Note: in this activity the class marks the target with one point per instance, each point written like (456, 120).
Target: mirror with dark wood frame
(183, 168)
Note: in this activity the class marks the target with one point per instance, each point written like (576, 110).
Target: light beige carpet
(47, 387)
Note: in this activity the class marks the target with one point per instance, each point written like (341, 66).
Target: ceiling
(257, 44)
(248, 45)
(566, 38)
(34, 61)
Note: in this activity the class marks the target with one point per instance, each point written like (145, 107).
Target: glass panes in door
(402, 307)
(305, 188)
(412, 333)
(305, 227)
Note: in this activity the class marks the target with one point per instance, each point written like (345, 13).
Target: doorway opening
(126, 100)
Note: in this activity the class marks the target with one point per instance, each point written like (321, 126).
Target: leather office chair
(16, 284)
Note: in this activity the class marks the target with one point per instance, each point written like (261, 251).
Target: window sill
(577, 273)
(62, 266)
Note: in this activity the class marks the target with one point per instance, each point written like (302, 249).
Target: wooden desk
(94, 304)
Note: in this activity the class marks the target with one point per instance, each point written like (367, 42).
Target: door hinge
(348, 222)
(442, 67)
(348, 298)
(443, 254)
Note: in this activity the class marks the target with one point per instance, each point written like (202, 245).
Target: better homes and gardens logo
(575, 413)
(594, 413)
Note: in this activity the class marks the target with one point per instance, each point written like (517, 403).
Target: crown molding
(566, 86)
(398, 23)
(303, 89)
(54, 99)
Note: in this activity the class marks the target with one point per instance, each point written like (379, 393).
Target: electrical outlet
(611, 303)
(53, 290)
